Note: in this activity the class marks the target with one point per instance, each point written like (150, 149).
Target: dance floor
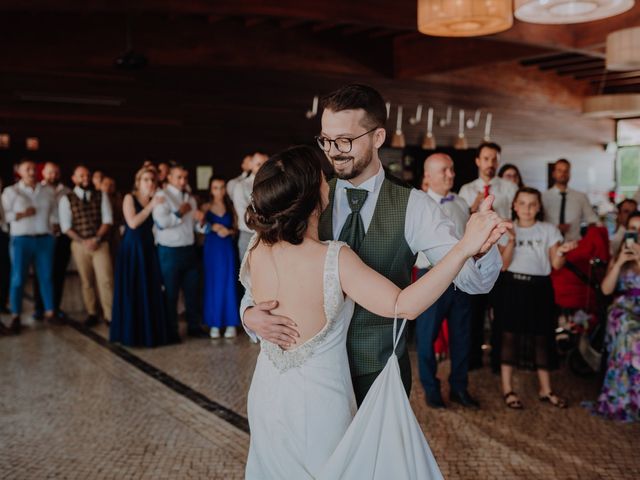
(75, 407)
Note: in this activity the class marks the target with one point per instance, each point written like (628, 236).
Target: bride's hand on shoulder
(275, 329)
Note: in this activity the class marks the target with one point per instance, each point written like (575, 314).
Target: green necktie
(353, 229)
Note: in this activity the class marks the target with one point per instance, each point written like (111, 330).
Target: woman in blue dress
(220, 309)
(138, 316)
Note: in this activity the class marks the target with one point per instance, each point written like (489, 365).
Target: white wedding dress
(302, 410)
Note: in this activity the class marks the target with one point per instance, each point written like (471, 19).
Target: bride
(301, 404)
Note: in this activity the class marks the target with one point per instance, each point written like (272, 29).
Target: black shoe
(434, 400)
(16, 325)
(91, 321)
(197, 333)
(38, 316)
(464, 399)
(54, 320)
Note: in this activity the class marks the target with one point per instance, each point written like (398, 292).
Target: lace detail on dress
(284, 360)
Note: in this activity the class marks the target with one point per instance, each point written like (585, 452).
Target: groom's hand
(272, 328)
(498, 230)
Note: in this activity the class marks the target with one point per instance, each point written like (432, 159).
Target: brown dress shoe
(16, 325)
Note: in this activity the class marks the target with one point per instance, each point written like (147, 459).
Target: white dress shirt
(241, 199)
(455, 208)
(502, 190)
(66, 217)
(18, 197)
(60, 190)
(233, 183)
(577, 210)
(173, 230)
(427, 229)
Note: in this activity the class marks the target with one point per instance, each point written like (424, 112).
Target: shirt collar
(436, 196)
(24, 186)
(372, 184)
(78, 190)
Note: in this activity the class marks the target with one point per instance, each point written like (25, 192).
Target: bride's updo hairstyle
(286, 191)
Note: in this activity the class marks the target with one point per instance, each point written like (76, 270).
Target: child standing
(524, 311)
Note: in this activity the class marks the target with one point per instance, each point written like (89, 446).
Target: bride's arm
(379, 295)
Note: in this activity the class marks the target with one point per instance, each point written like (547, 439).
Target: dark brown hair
(562, 160)
(511, 166)
(228, 204)
(532, 191)
(286, 191)
(491, 145)
(355, 96)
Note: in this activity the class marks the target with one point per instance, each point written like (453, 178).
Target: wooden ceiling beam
(577, 60)
(609, 76)
(590, 65)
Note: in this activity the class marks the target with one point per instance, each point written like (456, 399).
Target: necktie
(85, 199)
(563, 206)
(353, 229)
(448, 198)
(487, 188)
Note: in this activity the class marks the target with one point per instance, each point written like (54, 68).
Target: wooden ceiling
(356, 36)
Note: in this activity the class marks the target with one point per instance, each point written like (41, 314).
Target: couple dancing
(323, 310)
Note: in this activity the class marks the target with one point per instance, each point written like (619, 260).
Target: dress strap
(397, 334)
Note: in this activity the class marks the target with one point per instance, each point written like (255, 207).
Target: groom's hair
(286, 192)
(356, 96)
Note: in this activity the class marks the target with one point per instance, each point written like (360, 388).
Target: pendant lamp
(568, 11)
(464, 18)
(623, 50)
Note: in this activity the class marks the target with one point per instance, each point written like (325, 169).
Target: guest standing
(245, 166)
(86, 217)
(62, 251)
(510, 172)
(620, 395)
(220, 263)
(175, 219)
(30, 209)
(624, 209)
(139, 317)
(108, 188)
(5, 262)
(565, 207)
(242, 199)
(524, 313)
(487, 160)
(454, 304)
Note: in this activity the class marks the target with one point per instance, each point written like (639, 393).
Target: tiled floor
(71, 408)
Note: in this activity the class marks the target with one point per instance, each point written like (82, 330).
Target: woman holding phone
(620, 395)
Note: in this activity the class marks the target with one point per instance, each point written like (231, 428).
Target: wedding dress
(302, 409)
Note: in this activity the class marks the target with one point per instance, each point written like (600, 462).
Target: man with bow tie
(454, 304)
(176, 220)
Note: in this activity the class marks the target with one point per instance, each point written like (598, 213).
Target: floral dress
(620, 395)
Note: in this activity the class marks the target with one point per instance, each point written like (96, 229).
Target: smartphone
(630, 238)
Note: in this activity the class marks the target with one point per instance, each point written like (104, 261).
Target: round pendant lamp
(623, 50)
(568, 11)
(618, 105)
(464, 18)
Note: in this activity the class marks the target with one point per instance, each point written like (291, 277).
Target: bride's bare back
(293, 275)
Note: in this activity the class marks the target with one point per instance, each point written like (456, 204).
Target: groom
(385, 223)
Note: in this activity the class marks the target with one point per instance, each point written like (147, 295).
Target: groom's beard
(347, 167)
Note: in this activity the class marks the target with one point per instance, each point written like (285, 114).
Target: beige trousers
(95, 269)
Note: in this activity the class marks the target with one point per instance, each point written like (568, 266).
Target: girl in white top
(524, 310)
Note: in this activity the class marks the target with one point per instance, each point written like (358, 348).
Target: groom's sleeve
(247, 302)
(429, 230)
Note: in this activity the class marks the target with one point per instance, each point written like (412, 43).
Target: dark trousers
(479, 306)
(455, 306)
(5, 269)
(362, 383)
(181, 270)
(60, 263)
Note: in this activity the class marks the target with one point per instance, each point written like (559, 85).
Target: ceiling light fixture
(464, 18)
(568, 11)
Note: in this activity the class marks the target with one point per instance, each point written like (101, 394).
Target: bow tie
(448, 198)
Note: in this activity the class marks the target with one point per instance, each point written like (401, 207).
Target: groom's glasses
(343, 144)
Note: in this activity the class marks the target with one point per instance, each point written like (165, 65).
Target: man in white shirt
(564, 207)
(176, 220)
(242, 199)
(487, 183)
(352, 134)
(62, 249)
(5, 263)
(246, 171)
(454, 304)
(86, 217)
(487, 160)
(30, 210)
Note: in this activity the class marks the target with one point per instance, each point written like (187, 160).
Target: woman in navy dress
(138, 316)
(220, 307)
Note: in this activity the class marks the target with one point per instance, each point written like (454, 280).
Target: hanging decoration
(464, 18)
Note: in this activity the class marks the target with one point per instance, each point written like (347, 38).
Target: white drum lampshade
(568, 11)
(623, 49)
(464, 18)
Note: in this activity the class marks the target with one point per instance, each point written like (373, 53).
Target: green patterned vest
(385, 249)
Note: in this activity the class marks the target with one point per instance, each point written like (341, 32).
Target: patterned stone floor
(70, 408)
